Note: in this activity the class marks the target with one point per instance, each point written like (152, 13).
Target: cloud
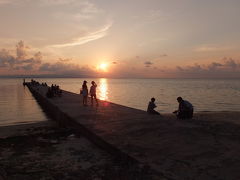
(21, 50)
(163, 55)
(214, 66)
(229, 62)
(66, 69)
(227, 68)
(210, 48)
(6, 60)
(85, 39)
(21, 61)
(69, 22)
(148, 63)
(64, 60)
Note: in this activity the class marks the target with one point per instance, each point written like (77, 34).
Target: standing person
(151, 107)
(85, 93)
(93, 93)
(185, 109)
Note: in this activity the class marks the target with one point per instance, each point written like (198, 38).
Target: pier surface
(206, 147)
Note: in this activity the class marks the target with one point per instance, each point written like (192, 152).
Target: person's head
(84, 82)
(93, 83)
(153, 99)
(179, 99)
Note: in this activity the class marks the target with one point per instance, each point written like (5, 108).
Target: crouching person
(185, 109)
(151, 107)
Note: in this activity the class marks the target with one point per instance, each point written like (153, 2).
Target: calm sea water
(18, 105)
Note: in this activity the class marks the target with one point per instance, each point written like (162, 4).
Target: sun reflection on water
(103, 89)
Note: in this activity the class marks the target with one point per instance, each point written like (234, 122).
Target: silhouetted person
(151, 107)
(85, 93)
(49, 93)
(93, 93)
(185, 109)
(58, 91)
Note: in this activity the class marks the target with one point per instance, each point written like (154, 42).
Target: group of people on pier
(185, 108)
(54, 91)
(33, 82)
(84, 91)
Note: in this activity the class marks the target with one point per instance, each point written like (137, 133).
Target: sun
(103, 67)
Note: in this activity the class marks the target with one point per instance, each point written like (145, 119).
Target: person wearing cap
(85, 93)
(185, 109)
(151, 107)
(93, 93)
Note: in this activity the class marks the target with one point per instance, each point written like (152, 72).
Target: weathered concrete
(43, 151)
(204, 148)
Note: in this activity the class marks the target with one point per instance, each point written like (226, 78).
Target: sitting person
(58, 91)
(185, 109)
(151, 107)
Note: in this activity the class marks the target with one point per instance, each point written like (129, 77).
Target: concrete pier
(206, 147)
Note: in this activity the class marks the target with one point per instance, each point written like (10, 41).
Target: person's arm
(179, 107)
(151, 106)
(154, 105)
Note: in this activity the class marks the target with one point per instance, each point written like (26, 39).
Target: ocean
(17, 105)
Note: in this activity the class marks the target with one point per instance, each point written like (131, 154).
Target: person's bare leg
(91, 100)
(96, 99)
(86, 101)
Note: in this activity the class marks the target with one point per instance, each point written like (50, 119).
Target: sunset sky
(128, 38)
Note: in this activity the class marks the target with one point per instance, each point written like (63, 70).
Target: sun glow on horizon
(103, 67)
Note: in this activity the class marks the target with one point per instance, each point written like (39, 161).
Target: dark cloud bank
(227, 68)
(20, 61)
(21, 64)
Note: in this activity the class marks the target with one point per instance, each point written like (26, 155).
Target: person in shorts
(85, 93)
(93, 93)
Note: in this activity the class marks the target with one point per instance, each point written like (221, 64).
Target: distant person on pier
(93, 93)
(185, 109)
(85, 93)
(49, 93)
(151, 107)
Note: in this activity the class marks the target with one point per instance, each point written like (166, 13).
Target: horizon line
(66, 76)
